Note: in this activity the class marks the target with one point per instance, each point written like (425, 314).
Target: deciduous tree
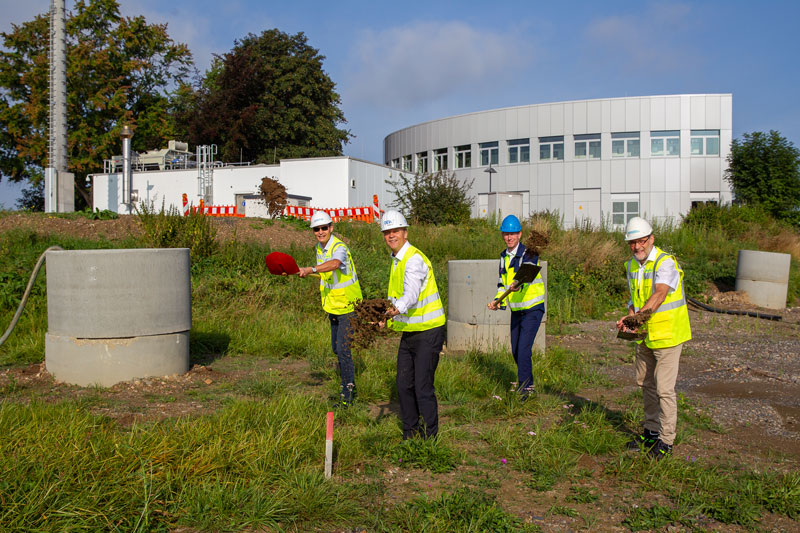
(764, 171)
(438, 198)
(119, 70)
(268, 98)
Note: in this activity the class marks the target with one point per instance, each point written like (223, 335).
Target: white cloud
(423, 61)
(650, 40)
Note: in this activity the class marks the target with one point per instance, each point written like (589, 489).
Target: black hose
(26, 294)
(755, 314)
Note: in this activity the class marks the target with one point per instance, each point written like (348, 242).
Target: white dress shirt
(414, 279)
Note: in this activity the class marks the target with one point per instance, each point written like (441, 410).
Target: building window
(519, 151)
(587, 146)
(396, 163)
(551, 148)
(705, 142)
(463, 156)
(623, 208)
(407, 163)
(440, 159)
(490, 154)
(422, 163)
(625, 144)
(665, 143)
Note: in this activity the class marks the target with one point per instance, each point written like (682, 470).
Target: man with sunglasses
(655, 280)
(340, 290)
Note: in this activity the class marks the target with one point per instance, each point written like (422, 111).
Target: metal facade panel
(511, 123)
(557, 119)
(543, 120)
(644, 177)
(698, 113)
(672, 202)
(713, 174)
(617, 117)
(579, 121)
(632, 172)
(543, 180)
(594, 174)
(568, 121)
(579, 174)
(569, 181)
(698, 175)
(557, 178)
(726, 112)
(617, 176)
(672, 113)
(633, 120)
(594, 117)
(658, 113)
(713, 112)
(658, 173)
(657, 200)
(674, 178)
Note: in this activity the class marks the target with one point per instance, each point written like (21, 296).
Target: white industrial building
(325, 182)
(603, 160)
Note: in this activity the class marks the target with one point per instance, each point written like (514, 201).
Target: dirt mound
(535, 242)
(365, 326)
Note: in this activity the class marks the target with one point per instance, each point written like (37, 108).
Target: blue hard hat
(511, 224)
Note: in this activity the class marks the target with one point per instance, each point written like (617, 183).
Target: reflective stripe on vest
(669, 324)
(427, 312)
(339, 291)
(529, 295)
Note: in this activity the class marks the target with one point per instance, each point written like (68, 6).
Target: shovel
(282, 264)
(526, 273)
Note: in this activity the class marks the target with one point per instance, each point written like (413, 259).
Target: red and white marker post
(329, 445)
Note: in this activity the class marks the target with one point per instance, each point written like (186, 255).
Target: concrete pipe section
(117, 315)
(470, 324)
(764, 277)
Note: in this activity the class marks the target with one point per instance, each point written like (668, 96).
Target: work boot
(660, 450)
(347, 396)
(646, 441)
(526, 393)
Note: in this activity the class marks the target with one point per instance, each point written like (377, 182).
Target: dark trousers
(341, 336)
(524, 326)
(417, 358)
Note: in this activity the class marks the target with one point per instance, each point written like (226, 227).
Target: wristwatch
(314, 269)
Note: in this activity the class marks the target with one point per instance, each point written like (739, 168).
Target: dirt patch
(275, 233)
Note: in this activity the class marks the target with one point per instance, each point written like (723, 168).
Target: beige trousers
(656, 373)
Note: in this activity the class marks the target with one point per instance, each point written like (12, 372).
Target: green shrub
(168, 229)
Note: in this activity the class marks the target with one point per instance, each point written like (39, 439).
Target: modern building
(324, 182)
(602, 160)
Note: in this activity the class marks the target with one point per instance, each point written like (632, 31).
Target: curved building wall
(606, 159)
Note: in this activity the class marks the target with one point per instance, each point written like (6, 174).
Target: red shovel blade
(280, 263)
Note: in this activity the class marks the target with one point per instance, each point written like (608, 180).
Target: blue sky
(397, 64)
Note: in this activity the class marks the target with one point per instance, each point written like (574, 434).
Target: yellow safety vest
(339, 292)
(428, 312)
(669, 324)
(529, 295)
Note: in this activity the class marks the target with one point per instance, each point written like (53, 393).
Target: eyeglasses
(640, 242)
(320, 228)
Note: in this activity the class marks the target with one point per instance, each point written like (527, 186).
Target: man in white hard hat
(655, 280)
(340, 290)
(418, 313)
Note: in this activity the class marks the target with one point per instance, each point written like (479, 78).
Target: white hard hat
(637, 228)
(392, 220)
(320, 218)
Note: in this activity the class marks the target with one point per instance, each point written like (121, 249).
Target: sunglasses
(320, 228)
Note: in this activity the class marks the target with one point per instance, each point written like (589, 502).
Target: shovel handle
(511, 288)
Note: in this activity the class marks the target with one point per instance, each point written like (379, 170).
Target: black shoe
(344, 404)
(646, 441)
(660, 450)
(526, 393)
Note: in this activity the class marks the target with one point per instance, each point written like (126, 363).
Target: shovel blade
(527, 273)
(280, 264)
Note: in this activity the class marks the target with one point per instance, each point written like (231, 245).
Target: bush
(433, 198)
(168, 229)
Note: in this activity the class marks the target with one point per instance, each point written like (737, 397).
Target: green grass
(255, 462)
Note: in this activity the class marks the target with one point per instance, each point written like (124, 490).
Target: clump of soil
(274, 195)
(535, 242)
(365, 326)
(637, 320)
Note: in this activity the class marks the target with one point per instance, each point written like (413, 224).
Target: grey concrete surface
(470, 324)
(106, 362)
(100, 294)
(764, 277)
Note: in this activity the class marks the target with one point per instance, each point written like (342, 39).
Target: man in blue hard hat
(526, 302)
